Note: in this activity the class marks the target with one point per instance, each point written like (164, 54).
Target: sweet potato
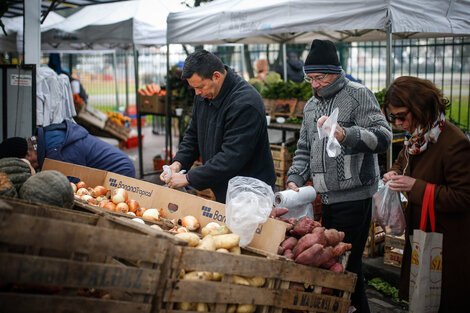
(309, 240)
(337, 268)
(289, 243)
(340, 248)
(296, 286)
(330, 262)
(280, 250)
(309, 254)
(288, 254)
(321, 257)
(304, 226)
(332, 237)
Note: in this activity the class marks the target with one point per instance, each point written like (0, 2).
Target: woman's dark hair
(422, 98)
(203, 63)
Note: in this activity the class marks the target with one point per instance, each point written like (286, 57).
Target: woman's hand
(402, 183)
(293, 186)
(388, 176)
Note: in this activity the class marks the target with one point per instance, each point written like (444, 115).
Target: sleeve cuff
(296, 179)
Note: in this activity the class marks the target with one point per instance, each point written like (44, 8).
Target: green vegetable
(380, 96)
(384, 287)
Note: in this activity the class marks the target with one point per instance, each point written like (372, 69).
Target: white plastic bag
(167, 171)
(333, 148)
(299, 203)
(387, 211)
(249, 203)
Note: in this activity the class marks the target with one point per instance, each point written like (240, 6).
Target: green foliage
(294, 120)
(255, 82)
(286, 90)
(384, 287)
(380, 96)
(272, 78)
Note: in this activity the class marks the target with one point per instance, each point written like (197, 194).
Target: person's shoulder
(454, 134)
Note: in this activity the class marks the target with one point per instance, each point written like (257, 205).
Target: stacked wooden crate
(282, 159)
(394, 246)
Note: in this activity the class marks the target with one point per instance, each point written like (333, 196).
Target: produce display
(118, 118)
(152, 90)
(308, 243)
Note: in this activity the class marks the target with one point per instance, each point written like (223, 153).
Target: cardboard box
(175, 204)
(94, 116)
(152, 104)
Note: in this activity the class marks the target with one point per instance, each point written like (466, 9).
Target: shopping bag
(426, 261)
(387, 210)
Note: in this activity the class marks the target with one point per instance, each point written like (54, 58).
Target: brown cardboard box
(175, 204)
(152, 104)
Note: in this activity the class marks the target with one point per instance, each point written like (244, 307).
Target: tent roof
(301, 21)
(112, 25)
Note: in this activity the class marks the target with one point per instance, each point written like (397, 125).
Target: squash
(16, 169)
(6, 187)
(48, 187)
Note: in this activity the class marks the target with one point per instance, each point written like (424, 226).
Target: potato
(216, 276)
(222, 230)
(207, 243)
(197, 275)
(240, 280)
(246, 308)
(186, 306)
(191, 238)
(231, 308)
(222, 250)
(226, 241)
(202, 307)
(256, 281)
(235, 250)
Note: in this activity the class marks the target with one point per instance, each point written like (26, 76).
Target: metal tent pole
(139, 125)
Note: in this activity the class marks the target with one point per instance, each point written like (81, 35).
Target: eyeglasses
(401, 116)
(318, 79)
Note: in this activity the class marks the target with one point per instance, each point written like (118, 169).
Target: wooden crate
(281, 179)
(393, 256)
(59, 260)
(273, 296)
(395, 241)
(280, 153)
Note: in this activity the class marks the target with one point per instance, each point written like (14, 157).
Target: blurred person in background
(436, 152)
(295, 70)
(346, 182)
(71, 143)
(228, 130)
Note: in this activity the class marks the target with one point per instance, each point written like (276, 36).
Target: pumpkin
(6, 187)
(16, 169)
(48, 187)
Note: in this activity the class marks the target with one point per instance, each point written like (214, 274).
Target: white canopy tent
(14, 27)
(117, 25)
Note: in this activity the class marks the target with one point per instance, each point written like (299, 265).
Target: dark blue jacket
(81, 148)
(230, 134)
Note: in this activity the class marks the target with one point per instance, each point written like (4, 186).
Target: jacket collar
(332, 89)
(225, 89)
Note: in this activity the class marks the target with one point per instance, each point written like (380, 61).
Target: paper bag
(426, 261)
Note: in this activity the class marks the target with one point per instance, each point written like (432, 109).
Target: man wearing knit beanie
(346, 182)
(14, 147)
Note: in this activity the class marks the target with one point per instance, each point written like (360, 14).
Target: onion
(182, 230)
(140, 211)
(122, 207)
(109, 206)
(212, 225)
(156, 227)
(74, 187)
(89, 199)
(81, 184)
(103, 202)
(99, 191)
(131, 213)
(138, 220)
(101, 198)
(151, 214)
(82, 192)
(190, 222)
(133, 205)
(119, 195)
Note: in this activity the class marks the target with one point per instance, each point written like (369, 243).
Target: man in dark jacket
(294, 68)
(228, 130)
(69, 142)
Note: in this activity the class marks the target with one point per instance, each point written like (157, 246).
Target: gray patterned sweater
(352, 175)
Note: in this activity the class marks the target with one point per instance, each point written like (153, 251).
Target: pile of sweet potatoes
(308, 243)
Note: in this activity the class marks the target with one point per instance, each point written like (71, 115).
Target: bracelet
(187, 178)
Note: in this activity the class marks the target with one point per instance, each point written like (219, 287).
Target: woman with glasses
(346, 182)
(436, 152)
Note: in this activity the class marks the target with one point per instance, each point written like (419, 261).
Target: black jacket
(294, 70)
(230, 134)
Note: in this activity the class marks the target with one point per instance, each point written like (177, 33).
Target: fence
(108, 77)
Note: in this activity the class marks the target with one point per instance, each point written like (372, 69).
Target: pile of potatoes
(216, 238)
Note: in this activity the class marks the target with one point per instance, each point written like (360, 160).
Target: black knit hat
(322, 58)
(14, 147)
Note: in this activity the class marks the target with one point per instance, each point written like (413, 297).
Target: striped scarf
(417, 142)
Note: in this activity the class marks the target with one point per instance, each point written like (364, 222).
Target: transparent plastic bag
(333, 148)
(387, 211)
(167, 171)
(249, 203)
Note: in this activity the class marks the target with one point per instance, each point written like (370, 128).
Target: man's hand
(339, 133)
(175, 168)
(177, 181)
(293, 186)
(388, 176)
(402, 183)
